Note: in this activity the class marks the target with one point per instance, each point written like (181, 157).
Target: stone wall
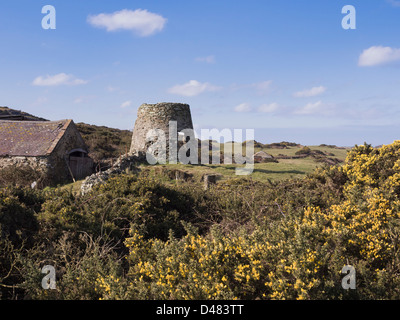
(127, 163)
(158, 116)
(40, 164)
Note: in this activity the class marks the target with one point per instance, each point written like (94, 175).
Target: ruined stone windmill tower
(158, 116)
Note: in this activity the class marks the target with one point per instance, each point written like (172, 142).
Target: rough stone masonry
(158, 116)
(150, 116)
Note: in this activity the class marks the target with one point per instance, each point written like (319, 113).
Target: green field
(283, 170)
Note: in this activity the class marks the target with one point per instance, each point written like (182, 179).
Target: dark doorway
(80, 164)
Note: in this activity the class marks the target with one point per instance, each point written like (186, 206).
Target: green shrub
(22, 176)
(303, 151)
(140, 236)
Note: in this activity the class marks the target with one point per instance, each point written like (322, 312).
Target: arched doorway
(80, 164)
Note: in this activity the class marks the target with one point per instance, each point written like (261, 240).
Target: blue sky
(285, 68)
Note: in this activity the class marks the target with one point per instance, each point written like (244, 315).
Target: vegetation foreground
(144, 236)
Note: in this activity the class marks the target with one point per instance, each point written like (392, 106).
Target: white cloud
(83, 99)
(244, 107)
(40, 101)
(58, 80)
(112, 89)
(378, 55)
(141, 22)
(310, 108)
(264, 108)
(262, 87)
(268, 108)
(126, 104)
(208, 59)
(192, 88)
(315, 91)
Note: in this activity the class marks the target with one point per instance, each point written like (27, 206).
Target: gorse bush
(22, 176)
(142, 236)
(111, 208)
(304, 151)
(195, 267)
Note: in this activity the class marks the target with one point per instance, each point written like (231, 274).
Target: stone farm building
(53, 148)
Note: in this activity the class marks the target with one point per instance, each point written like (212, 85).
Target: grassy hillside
(285, 168)
(8, 113)
(144, 236)
(103, 142)
(289, 165)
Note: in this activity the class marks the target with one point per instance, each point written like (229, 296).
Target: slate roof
(30, 138)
